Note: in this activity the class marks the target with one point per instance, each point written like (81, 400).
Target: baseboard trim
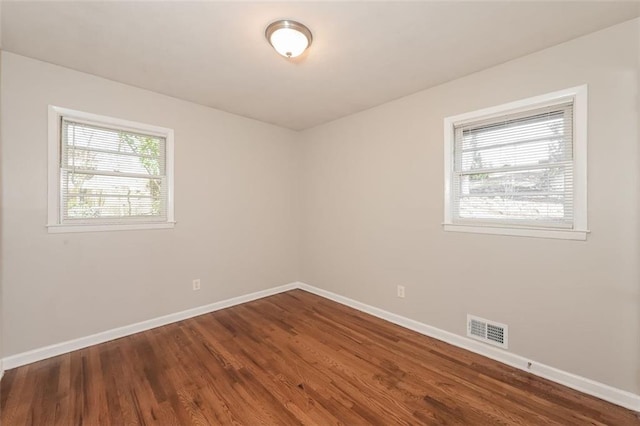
(582, 384)
(116, 333)
(600, 390)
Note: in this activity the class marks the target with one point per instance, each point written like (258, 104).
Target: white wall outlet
(196, 284)
(401, 291)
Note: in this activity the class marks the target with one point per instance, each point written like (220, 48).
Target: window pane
(94, 196)
(544, 138)
(105, 207)
(524, 168)
(522, 127)
(530, 154)
(110, 173)
(82, 159)
(96, 148)
(542, 180)
(514, 207)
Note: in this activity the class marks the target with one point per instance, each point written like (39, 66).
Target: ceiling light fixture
(288, 38)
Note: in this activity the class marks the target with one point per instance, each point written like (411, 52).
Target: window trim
(579, 230)
(54, 225)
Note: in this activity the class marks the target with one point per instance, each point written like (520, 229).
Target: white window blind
(516, 169)
(111, 175)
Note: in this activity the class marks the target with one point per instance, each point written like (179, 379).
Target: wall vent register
(487, 331)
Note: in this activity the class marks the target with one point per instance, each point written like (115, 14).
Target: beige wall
(373, 207)
(234, 203)
(637, 260)
(1, 232)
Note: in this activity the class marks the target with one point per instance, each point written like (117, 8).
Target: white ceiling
(363, 53)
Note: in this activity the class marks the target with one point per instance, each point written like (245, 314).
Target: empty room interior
(319, 212)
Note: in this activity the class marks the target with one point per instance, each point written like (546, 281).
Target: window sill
(562, 234)
(59, 229)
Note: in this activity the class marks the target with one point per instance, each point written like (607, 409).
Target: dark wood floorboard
(292, 358)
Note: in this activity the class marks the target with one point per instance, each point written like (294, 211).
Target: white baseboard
(83, 342)
(600, 390)
(582, 384)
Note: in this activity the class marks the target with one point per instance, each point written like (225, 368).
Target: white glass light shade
(288, 42)
(288, 38)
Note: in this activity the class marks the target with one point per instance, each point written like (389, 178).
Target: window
(519, 168)
(108, 174)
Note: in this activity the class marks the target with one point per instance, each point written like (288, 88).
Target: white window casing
(520, 168)
(108, 174)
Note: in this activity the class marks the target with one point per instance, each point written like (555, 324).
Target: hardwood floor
(293, 358)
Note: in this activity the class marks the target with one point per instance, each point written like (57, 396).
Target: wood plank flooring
(292, 358)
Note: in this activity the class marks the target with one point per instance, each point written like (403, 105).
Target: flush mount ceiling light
(288, 38)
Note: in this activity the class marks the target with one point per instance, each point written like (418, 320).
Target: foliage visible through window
(516, 169)
(110, 175)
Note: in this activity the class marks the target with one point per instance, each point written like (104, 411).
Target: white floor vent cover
(487, 331)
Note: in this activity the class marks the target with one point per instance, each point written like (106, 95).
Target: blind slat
(106, 173)
(533, 167)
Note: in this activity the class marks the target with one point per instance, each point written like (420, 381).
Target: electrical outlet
(196, 284)
(401, 291)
